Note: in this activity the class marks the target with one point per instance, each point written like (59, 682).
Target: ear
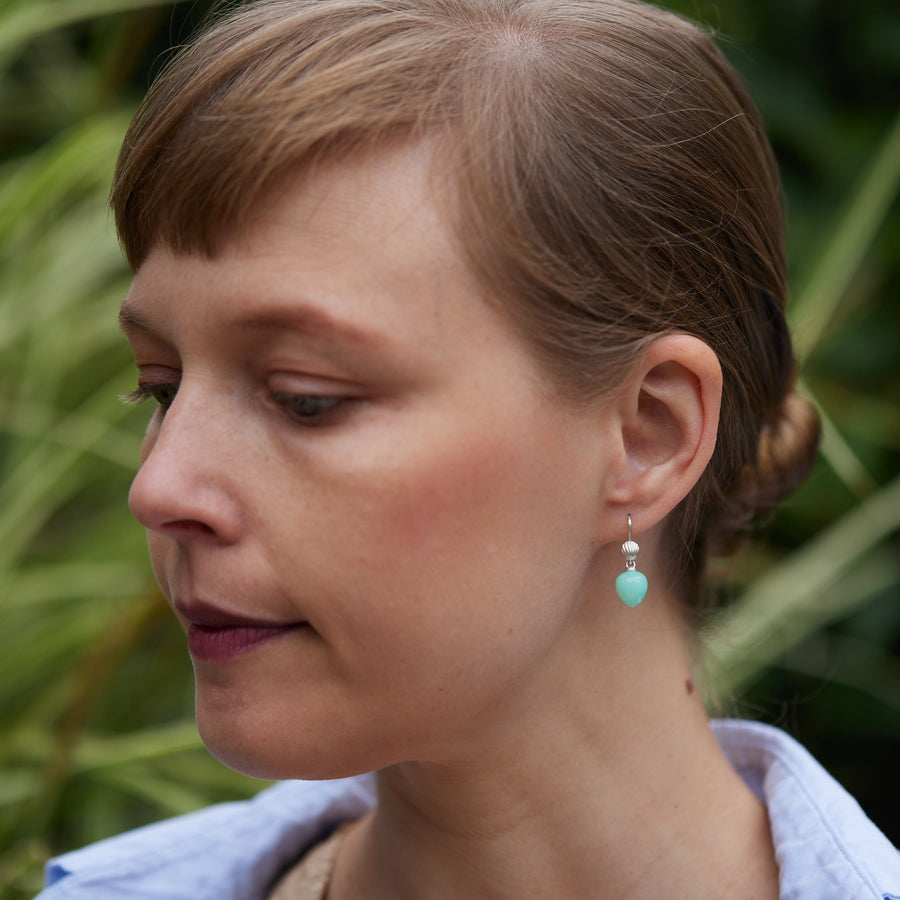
(668, 416)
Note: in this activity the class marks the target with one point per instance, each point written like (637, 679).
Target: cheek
(495, 491)
(471, 496)
(460, 527)
(469, 565)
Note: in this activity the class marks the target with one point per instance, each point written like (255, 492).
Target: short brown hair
(614, 184)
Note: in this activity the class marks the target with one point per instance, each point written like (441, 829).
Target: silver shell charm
(630, 551)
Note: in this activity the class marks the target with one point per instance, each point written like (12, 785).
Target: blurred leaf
(860, 664)
(818, 300)
(22, 22)
(799, 594)
(839, 454)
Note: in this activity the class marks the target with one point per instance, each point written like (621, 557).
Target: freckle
(509, 630)
(689, 686)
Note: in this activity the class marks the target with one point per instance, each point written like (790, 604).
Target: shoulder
(824, 843)
(226, 850)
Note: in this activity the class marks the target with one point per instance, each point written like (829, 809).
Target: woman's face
(365, 506)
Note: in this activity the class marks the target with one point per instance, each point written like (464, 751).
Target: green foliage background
(96, 728)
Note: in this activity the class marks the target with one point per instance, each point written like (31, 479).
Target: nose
(185, 487)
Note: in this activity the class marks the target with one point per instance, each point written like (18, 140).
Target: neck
(618, 782)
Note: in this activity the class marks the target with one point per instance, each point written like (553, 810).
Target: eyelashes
(307, 409)
(164, 394)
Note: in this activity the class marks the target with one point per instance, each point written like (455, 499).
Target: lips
(214, 634)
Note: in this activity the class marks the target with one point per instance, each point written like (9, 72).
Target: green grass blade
(804, 591)
(838, 453)
(818, 300)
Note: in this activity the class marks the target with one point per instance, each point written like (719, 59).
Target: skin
(448, 531)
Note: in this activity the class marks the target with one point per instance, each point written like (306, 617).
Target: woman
(444, 305)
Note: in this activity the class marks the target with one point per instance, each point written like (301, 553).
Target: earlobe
(669, 417)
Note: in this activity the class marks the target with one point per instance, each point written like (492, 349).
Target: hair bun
(786, 451)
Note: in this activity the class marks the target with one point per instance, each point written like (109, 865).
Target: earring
(631, 585)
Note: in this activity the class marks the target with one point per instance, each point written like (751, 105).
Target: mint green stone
(631, 586)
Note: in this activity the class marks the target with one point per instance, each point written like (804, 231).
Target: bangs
(274, 88)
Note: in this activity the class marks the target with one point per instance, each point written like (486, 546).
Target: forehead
(380, 204)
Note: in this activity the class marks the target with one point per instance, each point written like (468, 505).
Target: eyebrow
(295, 316)
(131, 321)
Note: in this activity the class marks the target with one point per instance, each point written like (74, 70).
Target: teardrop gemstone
(631, 586)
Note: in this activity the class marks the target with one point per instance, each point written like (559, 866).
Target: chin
(276, 754)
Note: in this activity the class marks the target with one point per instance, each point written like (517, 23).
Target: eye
(311, 409)
(163, 393)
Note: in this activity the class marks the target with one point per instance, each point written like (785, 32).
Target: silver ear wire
(630, 549)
